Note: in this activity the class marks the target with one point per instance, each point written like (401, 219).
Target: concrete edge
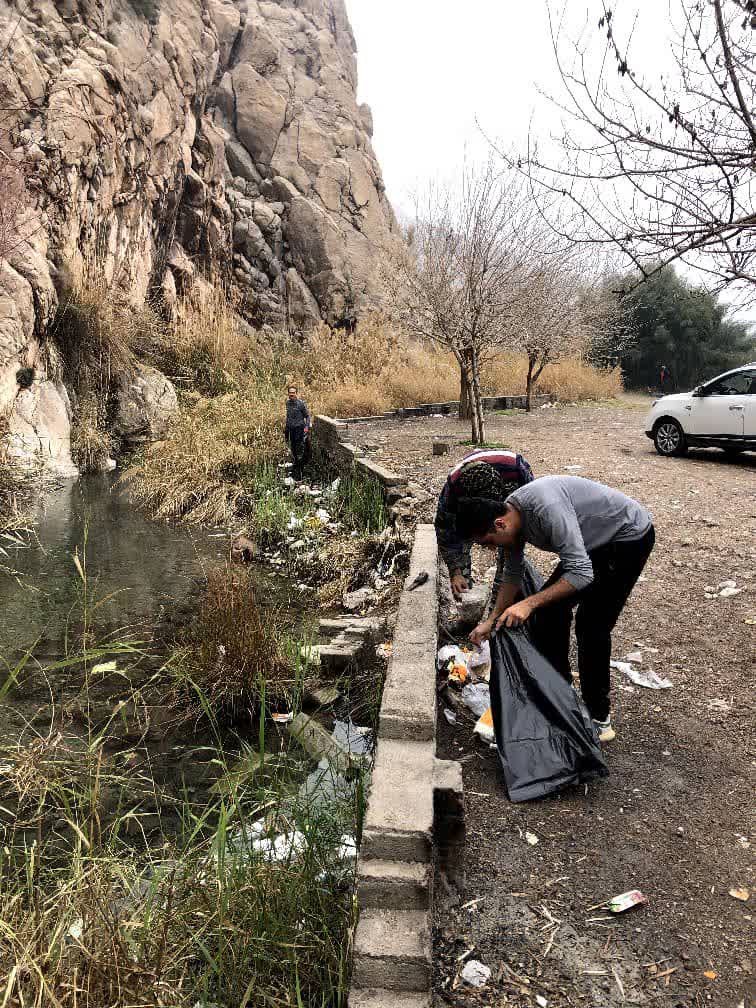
(419, 819)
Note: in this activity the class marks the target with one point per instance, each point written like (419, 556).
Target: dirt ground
(675, 817)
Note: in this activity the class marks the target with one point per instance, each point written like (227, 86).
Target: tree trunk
(465, 403)
(529, 384)
(477, 418)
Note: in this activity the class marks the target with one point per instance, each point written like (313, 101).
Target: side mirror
(698, 391)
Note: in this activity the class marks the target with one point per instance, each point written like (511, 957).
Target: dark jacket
(297, 414)
(513, 469)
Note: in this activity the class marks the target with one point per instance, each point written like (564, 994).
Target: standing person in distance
(297, 429)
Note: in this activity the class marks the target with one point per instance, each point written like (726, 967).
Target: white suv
(720, 413)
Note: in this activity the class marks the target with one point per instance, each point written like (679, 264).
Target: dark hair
(481, 480)
(476, 517)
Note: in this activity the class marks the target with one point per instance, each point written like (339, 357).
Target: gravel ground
(675, 816)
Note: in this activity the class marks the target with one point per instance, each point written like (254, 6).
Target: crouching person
(603, 540)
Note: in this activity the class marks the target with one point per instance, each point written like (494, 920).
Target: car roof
(740, 367)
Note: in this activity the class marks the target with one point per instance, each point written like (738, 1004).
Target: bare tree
(659, 171)
(460, 283)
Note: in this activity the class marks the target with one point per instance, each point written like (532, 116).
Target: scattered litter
(288, 481)
(283, 718)
(76, 929)
(326, 787)
(532, 839)
(573, 468)
(750, 620)
(385, 650)
(743, 841)
(479, 661)
(719, 705)
(418, 580)
(729, 592)
(477, 697)
(352, 738)
(710, 974)
(476, 974)
(293, 523)
(726, 584)
(541, 1000)
(450, 716)
(458, 674)
(108, 666)
(626, 901)
(647, 677)
(635, 656)
(740, 894)
(485, 728)
(447, 653)
(323, 515)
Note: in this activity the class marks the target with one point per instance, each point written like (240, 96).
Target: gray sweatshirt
(572, 516)
(297, 414)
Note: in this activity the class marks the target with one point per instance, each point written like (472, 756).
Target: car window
(739, 383)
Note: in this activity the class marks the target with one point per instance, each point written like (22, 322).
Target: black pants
(616, 568)
(297, 441)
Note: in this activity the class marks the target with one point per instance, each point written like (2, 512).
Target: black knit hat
(482, 480)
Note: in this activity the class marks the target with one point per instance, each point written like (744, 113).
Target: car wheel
(669, 438)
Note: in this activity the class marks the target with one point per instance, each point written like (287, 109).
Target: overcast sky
(429, 68)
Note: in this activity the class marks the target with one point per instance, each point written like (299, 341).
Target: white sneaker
(604, 730)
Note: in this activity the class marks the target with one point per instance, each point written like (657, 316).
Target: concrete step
(388, 999)
(393, 885)
(399, 819)
(392, 951)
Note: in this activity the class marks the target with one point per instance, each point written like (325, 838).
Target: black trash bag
(544, 734)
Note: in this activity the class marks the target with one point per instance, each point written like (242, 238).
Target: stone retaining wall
(415, 811)
(490, 404)
(330, 438)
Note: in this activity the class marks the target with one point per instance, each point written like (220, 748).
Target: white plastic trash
(475, 973)
(476, 697)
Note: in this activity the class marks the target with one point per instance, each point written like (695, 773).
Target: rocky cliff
(174, 141)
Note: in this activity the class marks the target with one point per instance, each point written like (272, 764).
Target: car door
(720, 410)
(750, 408)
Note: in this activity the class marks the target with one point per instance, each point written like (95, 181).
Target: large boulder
(39, 429)
(145, 406)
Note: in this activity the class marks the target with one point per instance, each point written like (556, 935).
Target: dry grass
(205, 347)
(201, 473)
(211, 466)
(569, 380)
(233, 660)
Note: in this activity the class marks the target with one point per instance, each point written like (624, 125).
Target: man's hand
(515, 615)
(459, 584)
(482, 632)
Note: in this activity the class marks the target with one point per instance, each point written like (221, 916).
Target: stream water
(144, 581)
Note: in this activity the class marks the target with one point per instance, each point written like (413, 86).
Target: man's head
(488, 522)
(481, 480)
(293, 391)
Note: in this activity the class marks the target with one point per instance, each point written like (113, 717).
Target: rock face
(166, 140)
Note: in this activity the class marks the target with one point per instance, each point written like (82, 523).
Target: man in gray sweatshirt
(297, 428)
(603, 540)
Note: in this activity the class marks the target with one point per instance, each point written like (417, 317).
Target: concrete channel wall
(415, 810)
(415, 813)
